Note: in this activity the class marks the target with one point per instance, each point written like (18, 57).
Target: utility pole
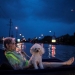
(10, 27)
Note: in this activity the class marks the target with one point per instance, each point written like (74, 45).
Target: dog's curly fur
(37, 50)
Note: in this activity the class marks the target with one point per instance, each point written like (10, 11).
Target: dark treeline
(64, 39)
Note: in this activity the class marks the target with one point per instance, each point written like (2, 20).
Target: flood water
(62, 52)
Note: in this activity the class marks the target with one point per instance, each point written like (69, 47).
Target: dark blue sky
(36, 17)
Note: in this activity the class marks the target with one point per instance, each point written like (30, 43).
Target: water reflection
(21, 47)
(62, 52)
(51, 51)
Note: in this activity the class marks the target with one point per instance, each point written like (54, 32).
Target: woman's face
(12, 45)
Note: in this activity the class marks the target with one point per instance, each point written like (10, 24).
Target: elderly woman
(18, 61)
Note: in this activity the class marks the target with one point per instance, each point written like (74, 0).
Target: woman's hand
(18, 49)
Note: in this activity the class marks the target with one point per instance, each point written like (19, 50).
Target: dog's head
(37, 48)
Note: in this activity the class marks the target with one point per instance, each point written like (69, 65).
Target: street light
(16, 32)
(53, 40)
(39, 37)
(72, 10)
(16, 27)
(41, 34)
(20, 36)
(23, 36)
(50, 31)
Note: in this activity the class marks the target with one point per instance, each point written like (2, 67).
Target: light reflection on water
(51, 50)
(62, 52)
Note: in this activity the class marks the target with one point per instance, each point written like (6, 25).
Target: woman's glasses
(13, 43)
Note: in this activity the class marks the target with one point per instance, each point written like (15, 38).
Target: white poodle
(36, 59)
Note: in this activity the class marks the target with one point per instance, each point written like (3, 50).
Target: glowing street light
(18, 40)
(16, 31)
(23, 36)
(41, 34)
(16, 27)
(72, 10)
(20, 35)
(49, 31)
(39, 37)
(53, 40)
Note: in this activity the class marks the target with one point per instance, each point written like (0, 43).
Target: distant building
(53, 38)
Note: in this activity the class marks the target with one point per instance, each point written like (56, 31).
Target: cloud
(58, 10)
(19, 9)
(14, 9)
(53, 10)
